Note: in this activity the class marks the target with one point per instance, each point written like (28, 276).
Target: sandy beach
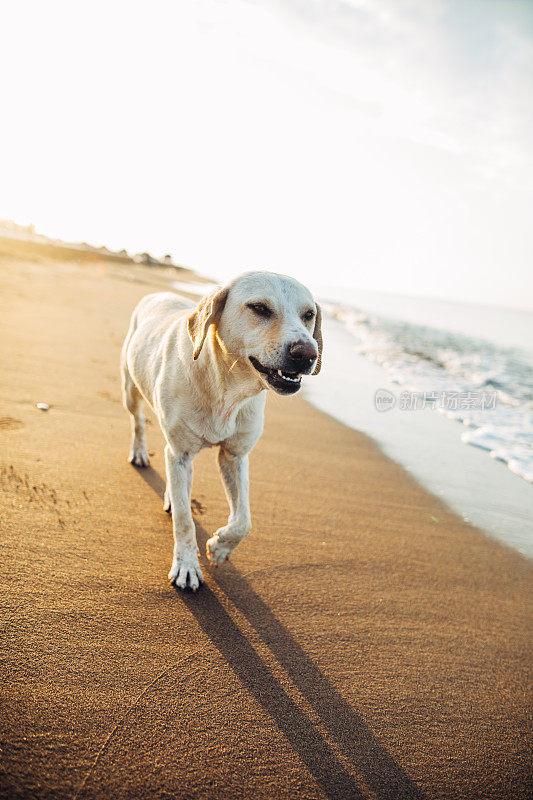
(364, 642)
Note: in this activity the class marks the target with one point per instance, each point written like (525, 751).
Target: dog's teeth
(289, 377)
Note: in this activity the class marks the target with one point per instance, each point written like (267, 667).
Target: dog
(205, 373)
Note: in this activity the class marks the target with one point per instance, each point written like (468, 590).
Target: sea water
(446, 389)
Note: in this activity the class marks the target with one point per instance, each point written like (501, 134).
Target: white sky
(379, 144)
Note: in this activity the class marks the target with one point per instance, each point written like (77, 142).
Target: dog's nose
(302, 354)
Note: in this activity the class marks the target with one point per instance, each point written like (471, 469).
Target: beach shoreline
(364, 641)
(482, 490)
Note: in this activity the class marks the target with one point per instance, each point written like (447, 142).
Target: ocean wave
(439, 364)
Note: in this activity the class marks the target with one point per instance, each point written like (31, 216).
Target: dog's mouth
(281, 381)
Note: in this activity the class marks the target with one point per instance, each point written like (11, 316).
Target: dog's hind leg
(134, 403)
(167, 502)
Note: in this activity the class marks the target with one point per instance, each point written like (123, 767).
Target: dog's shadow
(353, 738)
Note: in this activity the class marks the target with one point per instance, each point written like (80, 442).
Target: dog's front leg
(234, 471)
(185, 568)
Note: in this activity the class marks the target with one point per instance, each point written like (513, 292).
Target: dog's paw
(139, 457)
(218, 551)
(186, 573)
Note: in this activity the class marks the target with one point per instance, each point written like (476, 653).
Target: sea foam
(484, 386)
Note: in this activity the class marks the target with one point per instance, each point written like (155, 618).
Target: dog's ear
(207, 312)
(317, 335)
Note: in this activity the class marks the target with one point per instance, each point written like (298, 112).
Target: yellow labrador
(205, 373)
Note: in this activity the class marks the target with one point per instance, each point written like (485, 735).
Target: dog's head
(270, 321)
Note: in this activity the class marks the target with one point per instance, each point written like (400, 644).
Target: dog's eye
(260, 309)
(309, 315)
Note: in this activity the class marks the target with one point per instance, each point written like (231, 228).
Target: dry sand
(363, 642)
